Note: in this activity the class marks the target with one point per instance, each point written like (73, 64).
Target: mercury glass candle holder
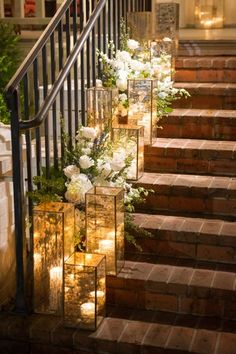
(128, 141)
(209, 14)
(53, 243)
(84, 290)
(101, 105)
(105, 225)
(143, 106)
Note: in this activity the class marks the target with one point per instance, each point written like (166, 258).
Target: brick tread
(195, 88)
(193, 229)
(216, 62)
(218, 114)
(40, 334)
(174, 289)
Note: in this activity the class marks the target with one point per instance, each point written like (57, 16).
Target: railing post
(19, 203)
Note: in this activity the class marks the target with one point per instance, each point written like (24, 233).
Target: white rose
(121, 84)
(118, 161)
(85, 162)
(136, 65)
(122, 55)
(132, 44)
(98, 83)
(71, 170)
(123, 97)
(88, 133)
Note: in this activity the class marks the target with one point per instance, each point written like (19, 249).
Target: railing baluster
(104, 29)
(60, 55)
(93, 50)
(109, 16)
(115, 39)
(69, 111)
(19, 205)
(88, 51)
(36, 108)
(76, 79)
(54, 106)
(46, 127)
(83, 121)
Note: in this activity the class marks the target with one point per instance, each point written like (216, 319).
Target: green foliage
(133, 231)
(124, 35)
(9, 61)
(48, 189)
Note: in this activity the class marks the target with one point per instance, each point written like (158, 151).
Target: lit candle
(100, 297)
(87, 311)
(106, 246)
(55, 288)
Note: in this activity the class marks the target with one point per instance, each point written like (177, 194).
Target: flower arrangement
(93, 160)
(141, 61)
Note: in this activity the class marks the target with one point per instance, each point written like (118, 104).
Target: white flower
(98, 83)
(132, 44)
(118, 160)
(70, 170)
(123, 97)
(123, 56)
(77, 188)
(162, 95)
(90, 145)
(86, 151)
(88, 133)
(137, 65)
(121, 84)
(85, 162)
(104, 168)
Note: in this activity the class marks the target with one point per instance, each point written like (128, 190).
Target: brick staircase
(178, 295)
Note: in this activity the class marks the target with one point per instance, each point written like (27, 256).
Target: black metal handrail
(51, 83)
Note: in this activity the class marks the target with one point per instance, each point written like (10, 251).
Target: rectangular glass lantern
(53, 243)
(129, 141)
(143, 106)
(209, 13)
(84, 290)
(165, 23)
(140, 25)
(105, 225)
(101, 105)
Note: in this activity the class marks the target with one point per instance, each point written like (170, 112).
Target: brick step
(190, 194)
(46, 334)
(206, 69)
(210, 240)
(191, 156)
(207, 95)
(199, 124)
(175, 289)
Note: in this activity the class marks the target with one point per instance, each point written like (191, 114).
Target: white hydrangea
(85, 162)
(87, 133)
(118, 160)
(71, 170)
(132, 44)
(123, 56)
(86, 151)
(77, 188)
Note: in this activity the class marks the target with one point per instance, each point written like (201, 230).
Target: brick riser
(210, 240)
(187, 194)
(191, 156)
(207, 96)
(216, 69)
(174, 289)
(199, 124)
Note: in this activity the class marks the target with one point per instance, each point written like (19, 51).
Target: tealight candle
(88, 311)
(55, 288)
(106, 246)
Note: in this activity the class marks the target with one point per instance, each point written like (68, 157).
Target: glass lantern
(143, 106)
(129, 141)
(101, 105)
(139, 24)
(165, 24)
(105, 225)
(209, 13)
(84, 290)
(53, 243)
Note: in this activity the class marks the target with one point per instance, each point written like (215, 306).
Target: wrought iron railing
(51, 83)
